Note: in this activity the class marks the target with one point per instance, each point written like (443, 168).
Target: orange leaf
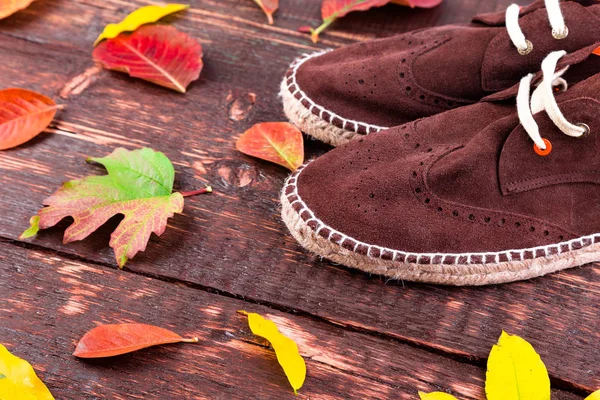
(113, 340)
(596, 51)
(269, 7)
(278, 142)
(9, 7)
(159, 54)
(23, 116)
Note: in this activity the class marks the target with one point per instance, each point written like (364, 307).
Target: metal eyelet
(560, 35)
(526, 50)
(586, 127)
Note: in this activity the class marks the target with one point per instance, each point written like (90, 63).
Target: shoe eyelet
(526, 50)
(545, 151)
(560, 35)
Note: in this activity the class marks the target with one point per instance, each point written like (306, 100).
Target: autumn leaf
(334, 9)
(141, 16)
(596, 51)
(278, 142)
(269, 7)
(9, 7)
(285, 348)
(23, 116)
(159, 54)
(18, 379)
(515, 371)
(138, 186)
(116, 339)
(436, 396)
(594, 396)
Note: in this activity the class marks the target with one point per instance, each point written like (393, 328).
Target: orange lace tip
(541, 152)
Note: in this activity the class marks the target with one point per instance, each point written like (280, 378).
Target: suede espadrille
(484, 194)
(339, 95)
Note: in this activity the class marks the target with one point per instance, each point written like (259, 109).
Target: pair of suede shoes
(491, 172)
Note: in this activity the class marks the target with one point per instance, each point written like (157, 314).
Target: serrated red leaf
(418, 3)
(117, 339)
(159, 54)
(278, 142)
(269, 7)
(23, 116)
(9, 7)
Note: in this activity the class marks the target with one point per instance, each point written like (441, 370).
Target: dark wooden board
(233, 242)
(49, 303)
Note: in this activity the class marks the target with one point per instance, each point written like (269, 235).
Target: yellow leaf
(18, 380)
(285, 348)
(594, 396)
(436, 396)
(141, 16)
(515, 371)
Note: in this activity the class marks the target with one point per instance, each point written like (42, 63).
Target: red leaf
(9, 7)
(159, 54)
(113, 340)
(23, 116)
(334, 9)
(596, 51)
(278, 142)
(269, 7)
(305, 29)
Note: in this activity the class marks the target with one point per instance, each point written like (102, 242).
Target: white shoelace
(557, 22)
(543, 100)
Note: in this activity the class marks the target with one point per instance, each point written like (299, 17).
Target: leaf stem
(190, 340)
(207, 189)
(314, 33)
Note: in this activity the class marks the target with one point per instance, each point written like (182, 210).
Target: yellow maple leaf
(515, 371)
(285, 348)
(18, 380)
(594, 396)
(141, 16)
(436, 396)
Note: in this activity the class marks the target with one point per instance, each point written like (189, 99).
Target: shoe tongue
(499, 18)
(503, 66)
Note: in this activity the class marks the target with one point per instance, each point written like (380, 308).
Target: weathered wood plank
(49, 302)
(234, 241)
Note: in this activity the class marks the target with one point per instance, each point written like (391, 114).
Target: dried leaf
(285, 348)
(436, 396)
(18, 379)
(23, 116)
(141, 16)
(594, 396)
(113, 340)
(159, 54)
(9, 7)
(278, 142)
(515, 371)
(334, 9)
(138, 186)
(269, 7)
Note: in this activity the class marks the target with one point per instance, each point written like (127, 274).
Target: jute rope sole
(458, 275)
(312, 124)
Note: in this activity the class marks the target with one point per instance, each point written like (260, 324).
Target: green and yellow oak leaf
(138, 186)
(18, 380)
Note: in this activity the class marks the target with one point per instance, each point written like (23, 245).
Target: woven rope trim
(326, 115)
(290, 191)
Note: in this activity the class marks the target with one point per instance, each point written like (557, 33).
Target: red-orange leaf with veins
(596, 51)
(23, 116)
(9, 7)
(138, 186)
(278, 142)
(116, 339)
(159, 54)
(269, 7)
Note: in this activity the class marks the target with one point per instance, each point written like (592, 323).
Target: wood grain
(233, 242)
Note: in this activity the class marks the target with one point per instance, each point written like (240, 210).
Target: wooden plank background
(363, 337)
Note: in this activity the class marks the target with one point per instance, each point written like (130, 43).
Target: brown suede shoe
(461, 198)
(363, 88)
